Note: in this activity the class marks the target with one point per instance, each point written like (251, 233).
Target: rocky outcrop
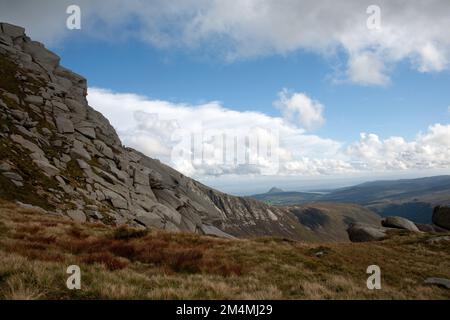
(58, 153)
(441, 217)
(359, 232)
(399, 223)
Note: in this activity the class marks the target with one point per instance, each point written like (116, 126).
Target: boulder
(104, 149)
(64, 125)
(12, 176)
(441, 217)
(48, 169)
(167, 212)
(86, 131)
(83, 165)
(78, 151)
(216, 232)
(431, 228)
(360, 232)
(77, 215)
(399, 223)
(76, 106)
(149, 219)
(441, 282)
(5, 166)
(33, 148)
(141, 178)
(41, 54)
(36, 100)
(12, 31)
(61, 106)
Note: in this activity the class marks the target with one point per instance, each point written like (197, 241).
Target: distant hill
(277, 196)
(275, 190)
(410, 198)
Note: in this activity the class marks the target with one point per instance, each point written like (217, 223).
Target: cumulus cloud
(367, 69)
(430, 150)
(298, 107)
(410, 30)
(212, 140)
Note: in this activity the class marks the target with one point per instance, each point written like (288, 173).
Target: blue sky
(407, 105)
(341, 93)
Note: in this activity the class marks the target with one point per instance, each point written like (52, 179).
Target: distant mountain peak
(275, 190)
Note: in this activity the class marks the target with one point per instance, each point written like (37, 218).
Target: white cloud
(430, 150)
(410, 30)
(156, 128)
(367, 69)
(298, 107)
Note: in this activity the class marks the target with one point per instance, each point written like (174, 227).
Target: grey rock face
(64, 125)
(47, 168)
(39, 53)
(12, 30)
(77, 215)
(78, 151)
(441, 217)
(399, 223)
(359, 232)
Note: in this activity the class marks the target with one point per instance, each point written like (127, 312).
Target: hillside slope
(413, 199)
(122, 263)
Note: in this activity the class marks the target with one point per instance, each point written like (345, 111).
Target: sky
(247, 94)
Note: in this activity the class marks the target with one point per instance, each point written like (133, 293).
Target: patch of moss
(8, 80)
(32, 175)
(74, 173)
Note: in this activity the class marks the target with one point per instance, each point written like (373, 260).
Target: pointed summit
(275, 190)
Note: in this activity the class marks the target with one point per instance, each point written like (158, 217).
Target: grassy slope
(35, 250)
(336, 218)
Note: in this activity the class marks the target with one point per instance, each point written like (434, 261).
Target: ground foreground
(123, 263)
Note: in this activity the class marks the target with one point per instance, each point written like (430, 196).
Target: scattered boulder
(441, 217)
(360, 232)
(441, 282)
(430, 228)
(216, 232)
(399, 223)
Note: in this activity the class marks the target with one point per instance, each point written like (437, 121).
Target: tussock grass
(125, 263)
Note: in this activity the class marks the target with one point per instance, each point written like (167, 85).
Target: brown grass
(126, 263)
